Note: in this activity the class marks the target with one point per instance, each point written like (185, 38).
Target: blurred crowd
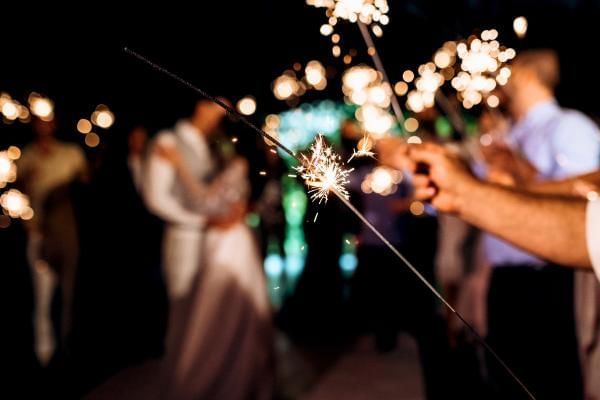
(144, 256)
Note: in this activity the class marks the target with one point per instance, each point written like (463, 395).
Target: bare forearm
(551, 227)
(565, 186)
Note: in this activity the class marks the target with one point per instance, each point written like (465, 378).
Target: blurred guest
(224, 350)
(530, 302)
(386, 293)
(47, 169)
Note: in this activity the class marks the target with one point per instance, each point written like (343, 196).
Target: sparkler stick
(364, 30)
(341, 194)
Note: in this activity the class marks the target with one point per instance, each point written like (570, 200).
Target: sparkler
(363, 149)
(340, 192)
(323, 172)
(364, 13)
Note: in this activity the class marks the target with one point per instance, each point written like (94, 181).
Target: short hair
(545, 64)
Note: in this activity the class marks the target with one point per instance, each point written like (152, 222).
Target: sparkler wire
(396, 252)
(364, 30)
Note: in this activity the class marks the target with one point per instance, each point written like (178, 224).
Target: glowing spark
(273, 151)
(234, 140)
(323, 172)
(292, 175)
(363, 150)
(316, 216)
(263, 173)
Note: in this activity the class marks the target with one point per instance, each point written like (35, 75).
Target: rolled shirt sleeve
(593, 234)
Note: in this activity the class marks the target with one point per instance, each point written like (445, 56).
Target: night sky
(237, 48)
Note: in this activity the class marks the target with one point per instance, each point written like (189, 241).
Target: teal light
(273, 266)
(348, 263)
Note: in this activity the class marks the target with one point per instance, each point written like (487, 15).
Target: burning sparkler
(323, 172)
(363, 149)
(365, 13)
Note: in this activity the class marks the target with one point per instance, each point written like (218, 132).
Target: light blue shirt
(559, 143)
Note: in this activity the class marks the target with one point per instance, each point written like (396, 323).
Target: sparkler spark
(363, 149)
(323, 171)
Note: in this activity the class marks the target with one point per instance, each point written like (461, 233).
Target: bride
(225, 346)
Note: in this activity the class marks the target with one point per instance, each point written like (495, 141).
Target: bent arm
(157, 191)
(550, 226)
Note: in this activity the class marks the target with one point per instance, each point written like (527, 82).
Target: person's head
(43, 130)
(137, 140)
(207, 116)
(535, 75)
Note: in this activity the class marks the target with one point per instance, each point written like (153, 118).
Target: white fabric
(160, 176)
(182, 241)
(593, 234)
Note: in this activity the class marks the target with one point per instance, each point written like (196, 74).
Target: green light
(253, 220)
(443, 127)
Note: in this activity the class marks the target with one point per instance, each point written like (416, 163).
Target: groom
(165, 195)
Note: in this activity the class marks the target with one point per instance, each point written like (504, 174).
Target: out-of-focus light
(84, 126)
(414, 101)
(103, 117)
(486, 139)
(273, 121)
(326, 29)
(411, 125)
(382, 180)
(24, 114)
(41, 107)
(336, 51)
(4, 221)
(10, 110)
(8, 169)
(335, 38)
(442, 58)
(347, 59)
(247, 105)
(285, 87)
(520, 26)
(13, 152)
(92, 139)
(414, 140)
(377, 30)
(417, 208)
(408, 76)
(315, 74)
(15, 204)
(493, 101)
(273, 265)
(401, 88)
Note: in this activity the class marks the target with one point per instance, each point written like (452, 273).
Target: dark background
(237, 48)
(230, 48)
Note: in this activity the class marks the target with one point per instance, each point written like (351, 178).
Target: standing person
(225, 348)
(389, 296)
(530, 301)
(166, 196)
(47, 169)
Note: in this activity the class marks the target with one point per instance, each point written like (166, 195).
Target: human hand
(447, 181)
